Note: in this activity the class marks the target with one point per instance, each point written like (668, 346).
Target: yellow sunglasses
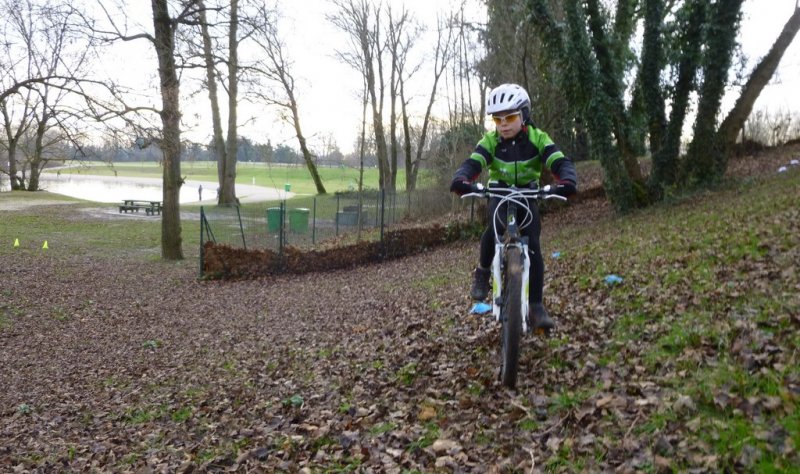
(509, 118)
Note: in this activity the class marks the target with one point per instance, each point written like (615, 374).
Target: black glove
(460, 187)
(566, 188)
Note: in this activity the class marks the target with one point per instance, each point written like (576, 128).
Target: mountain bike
(511, 269)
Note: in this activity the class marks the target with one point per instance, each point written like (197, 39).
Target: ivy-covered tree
(571, 48)
(685, 47)
(704, 161)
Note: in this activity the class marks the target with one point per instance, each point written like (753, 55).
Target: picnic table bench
(133, 205)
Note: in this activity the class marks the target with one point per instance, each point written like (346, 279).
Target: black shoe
(480, 284)
(541, 320)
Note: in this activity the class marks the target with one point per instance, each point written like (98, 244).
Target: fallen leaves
(689, 365)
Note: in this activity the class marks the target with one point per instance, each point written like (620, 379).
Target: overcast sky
(328, 90)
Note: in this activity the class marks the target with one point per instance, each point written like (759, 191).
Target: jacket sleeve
(564, 170)
(554, 159)
(471, 168)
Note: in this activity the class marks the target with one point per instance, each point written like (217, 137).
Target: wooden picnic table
(133, 205)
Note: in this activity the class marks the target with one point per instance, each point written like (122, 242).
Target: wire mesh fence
(315, 221)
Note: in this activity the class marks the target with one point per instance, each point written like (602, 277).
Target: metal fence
(320, 220)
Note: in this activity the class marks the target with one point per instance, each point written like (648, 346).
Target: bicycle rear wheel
(511, 317)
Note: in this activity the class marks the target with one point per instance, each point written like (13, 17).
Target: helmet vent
(502, 97)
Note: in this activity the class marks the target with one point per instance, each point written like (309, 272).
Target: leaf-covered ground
(123, 363)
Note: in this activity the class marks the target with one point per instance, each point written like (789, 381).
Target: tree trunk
(307, 156)
(733, 123)
(666, 160)
(216, 119)
(702, 163)
(171, 139)
(15, 181)
(587, 87)
(361, 150)
(228, 190)
(611, 82)
(650, 75)
(12, 139)
(393, 93)
(38, 149)
(406, 138)
(380, 137)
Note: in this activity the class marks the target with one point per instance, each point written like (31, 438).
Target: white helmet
(507, 97)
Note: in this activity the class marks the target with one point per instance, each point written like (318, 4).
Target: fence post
(394, 206)
(281, 237)
(314, 221)
(378, 206)
(382, 197)
(336, 217)
(202, 247)
(241, 227)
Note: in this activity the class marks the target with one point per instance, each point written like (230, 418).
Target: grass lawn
(275, 176)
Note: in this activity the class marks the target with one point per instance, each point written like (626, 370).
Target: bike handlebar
(518, 196)
(546, 192)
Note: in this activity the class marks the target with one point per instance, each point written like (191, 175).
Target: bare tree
(466, 75)
(761, 75)
(163, 39)
(46, 59)
(15, 127)
(361, 21)
(441, 56)
(399, 42)
(276, 68)
(211, 85)
(225, 147)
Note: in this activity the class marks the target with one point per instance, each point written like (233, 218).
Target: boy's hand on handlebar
(461, 187)
(566, 189)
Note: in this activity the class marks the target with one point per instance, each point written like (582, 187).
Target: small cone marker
(45, 245)
(16, 243)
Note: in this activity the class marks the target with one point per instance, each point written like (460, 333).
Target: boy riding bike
(514, 154)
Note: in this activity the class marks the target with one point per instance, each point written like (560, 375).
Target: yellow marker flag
(45, 245)
(16, 243)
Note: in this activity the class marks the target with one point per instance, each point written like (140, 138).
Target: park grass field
(340, 178)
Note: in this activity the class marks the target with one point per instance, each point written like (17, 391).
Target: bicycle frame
(511, 267)
(511, 237)
(514, 199)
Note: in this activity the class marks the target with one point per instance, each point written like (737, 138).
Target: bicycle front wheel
(511, 317)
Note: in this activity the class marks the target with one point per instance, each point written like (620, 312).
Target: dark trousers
(532, 231)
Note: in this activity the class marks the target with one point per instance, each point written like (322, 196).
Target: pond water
(112, 189)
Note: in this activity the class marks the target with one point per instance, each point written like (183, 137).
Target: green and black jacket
(517, 161)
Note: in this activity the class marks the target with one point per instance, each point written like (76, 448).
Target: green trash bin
(274, 219)
(287, 187)
(298, 220)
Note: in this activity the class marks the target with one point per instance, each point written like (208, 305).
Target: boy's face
(508, 123)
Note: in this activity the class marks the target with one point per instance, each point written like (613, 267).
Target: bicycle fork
(497, 282)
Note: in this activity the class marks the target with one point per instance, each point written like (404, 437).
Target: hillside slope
(115, 363)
